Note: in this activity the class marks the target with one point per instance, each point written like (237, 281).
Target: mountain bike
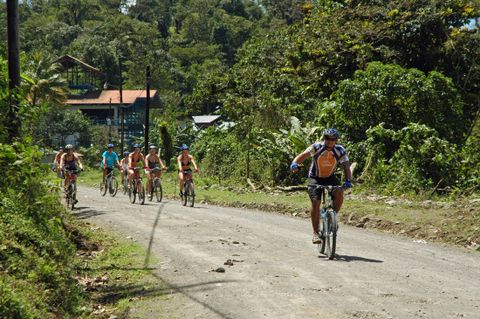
(188, 196)
(328, 222)
(155, 186)
(71, 189)
(137, 188)
(110, 183)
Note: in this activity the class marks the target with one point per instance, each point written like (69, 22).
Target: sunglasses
(330, 138)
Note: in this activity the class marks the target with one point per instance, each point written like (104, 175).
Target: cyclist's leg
(337, 194)
(181, 178)
(315, 215)
(149, 178)
(104, 172)
(131, 173)
(315, 199)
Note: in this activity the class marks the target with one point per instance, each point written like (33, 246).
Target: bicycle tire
(113, 187)
(141, 194)
(150, 193)
(158, 191)
(190, 195)
(73, 195)
(125, 185)
(323, 231)
(132, 192)
(333, 228)
(103, 187)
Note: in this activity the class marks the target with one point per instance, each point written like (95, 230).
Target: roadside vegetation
(399, 79)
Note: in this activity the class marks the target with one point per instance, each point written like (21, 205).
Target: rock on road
(277, 272)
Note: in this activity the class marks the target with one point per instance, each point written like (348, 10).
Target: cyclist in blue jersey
(326, 156)
(109, 159)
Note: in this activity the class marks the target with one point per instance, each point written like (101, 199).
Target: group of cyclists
(67, 162)
(326, 156)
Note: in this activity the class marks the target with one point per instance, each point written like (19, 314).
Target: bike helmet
(126, 153)
(110, 146)
(184, 147)
(60, 148)
(136, 145)
(153, 147)
(68, 147)
(331, 132)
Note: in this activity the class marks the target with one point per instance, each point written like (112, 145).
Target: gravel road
(278, 273)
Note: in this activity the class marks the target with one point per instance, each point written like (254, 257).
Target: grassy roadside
(453, 222)
(115, 273)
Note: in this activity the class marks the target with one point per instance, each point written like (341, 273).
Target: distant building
(204, 121)
(104, 107)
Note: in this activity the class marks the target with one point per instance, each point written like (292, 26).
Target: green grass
(444, 221)
(117, 275)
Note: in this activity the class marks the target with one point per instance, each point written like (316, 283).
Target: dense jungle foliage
(400, 80)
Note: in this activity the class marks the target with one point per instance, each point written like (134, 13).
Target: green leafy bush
(36, 255)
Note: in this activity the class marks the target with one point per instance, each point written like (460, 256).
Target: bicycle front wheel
(158, 191)
(151, 192)
(333, 234)
(103, 187)
(113, 187)
(73, 195)
(141, 193)
(322, 234)
(190, 195)
(132, 192)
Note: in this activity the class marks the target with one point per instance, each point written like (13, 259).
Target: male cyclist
(133, 160)
(326, 156)
(109, 159)
(184, 161)
(124, 165)
(68, 163)
(152, 160)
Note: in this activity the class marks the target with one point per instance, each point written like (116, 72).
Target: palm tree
(44, 81)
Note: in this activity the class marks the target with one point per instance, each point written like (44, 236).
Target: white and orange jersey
(325, 161)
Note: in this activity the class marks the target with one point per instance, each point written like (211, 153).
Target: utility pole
(13, 66)
(147, 111)
(122, 110)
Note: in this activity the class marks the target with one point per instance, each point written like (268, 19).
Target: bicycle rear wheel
(158, 191)
(132, 192)
(113, 187)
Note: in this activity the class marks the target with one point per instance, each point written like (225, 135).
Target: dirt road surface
(277, 272)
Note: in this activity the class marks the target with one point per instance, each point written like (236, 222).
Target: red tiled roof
(112, 96)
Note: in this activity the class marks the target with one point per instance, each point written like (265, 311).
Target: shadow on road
(85, 212)
(171, 288)
(347, 258)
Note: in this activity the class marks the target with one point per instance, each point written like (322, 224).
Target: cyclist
(184, 161)
(56, 161)
(152, 160)
(326, 156)
(68, 163)
(134, 159)
(124, 165)
(109, 159)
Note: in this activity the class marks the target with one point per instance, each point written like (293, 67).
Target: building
(104, 107)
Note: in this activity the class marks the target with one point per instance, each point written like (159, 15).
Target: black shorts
(316, 194)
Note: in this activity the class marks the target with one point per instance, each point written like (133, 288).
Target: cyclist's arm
(62, 161)
(77, 158)
(161, 163)
(347, 170)
(145, 162)
(179, 162)
(193, 162)
(302, 157)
